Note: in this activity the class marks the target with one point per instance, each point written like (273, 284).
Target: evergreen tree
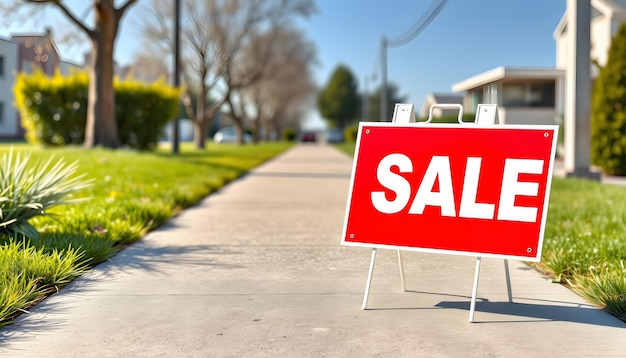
(393, 97)
(338, 102)
(608, 110)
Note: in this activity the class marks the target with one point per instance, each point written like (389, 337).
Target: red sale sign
(468, 190)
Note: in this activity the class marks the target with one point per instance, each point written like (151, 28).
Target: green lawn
(585, 240)
(132, 193)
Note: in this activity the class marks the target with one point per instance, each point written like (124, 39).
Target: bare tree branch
(122, 9)
(215, 33)
(283, 85)
(67, 13)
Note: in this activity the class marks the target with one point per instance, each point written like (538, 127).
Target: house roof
(31, 39)
(447, 97)
(503, 72)
(439, 98)
(613, 8)
(9, 41)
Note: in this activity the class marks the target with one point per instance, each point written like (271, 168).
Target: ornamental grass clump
(29, 189)
(606, 289)
(28, 274)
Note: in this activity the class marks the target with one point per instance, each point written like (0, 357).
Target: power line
(405, 38)
(419, 25)
(376, 62)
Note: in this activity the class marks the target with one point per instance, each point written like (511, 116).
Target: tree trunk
(200, 130)
(238, 124)
(237, 119)
(256, 135)
(101, 126)
(276, 127)
(201, 122)
(267, 124)
(257, 129)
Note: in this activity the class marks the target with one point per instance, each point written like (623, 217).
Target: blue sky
(465, 39)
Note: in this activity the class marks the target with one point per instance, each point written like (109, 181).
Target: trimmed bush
(608, 110)
(350, 134)
(54, 109)
(289, 135)
(142, 111)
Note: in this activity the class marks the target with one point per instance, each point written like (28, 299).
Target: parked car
(335, 136)
(228, 135)
(308, 136)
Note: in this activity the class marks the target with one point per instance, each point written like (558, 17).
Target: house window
(491, 93)
(541, 94)
(528, 94)
(1, 113)
(475, 98)
(513, 95)
(1, 65)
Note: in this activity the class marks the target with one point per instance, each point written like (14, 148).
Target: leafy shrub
(142, 111)
(608, 110)
(54, 109)
(350, 133)
(289, 134)
(31, 190)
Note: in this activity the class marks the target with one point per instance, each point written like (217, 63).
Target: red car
(308, 137)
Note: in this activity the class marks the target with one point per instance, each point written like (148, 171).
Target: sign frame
(363, 126)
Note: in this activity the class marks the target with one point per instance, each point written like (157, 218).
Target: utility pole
(176, 73)
(407, 37)
(383, 81)
(365, 101)
(578, 91)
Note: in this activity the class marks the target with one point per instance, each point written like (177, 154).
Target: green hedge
(289, 135)
(53, 109)
(350, 133)
(143, 110)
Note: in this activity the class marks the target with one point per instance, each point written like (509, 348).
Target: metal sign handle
(446, 106)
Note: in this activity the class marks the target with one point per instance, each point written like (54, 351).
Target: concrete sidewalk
(256, 270)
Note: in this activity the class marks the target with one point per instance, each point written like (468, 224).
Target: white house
(537, 95)
(606, 18)
(439, 98)
(523, 95)
(23, 53)
(9, 126)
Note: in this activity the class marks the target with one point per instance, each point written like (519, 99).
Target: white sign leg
(474, 290)
(508, 280)
(401, 264)
(369, 279)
